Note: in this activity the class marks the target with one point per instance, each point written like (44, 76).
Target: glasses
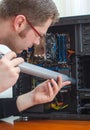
(34, 29)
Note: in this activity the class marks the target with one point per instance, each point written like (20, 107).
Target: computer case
(65, 49)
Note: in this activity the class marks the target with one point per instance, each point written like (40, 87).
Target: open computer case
(65, 49)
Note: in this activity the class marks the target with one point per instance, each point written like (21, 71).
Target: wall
(73, 7)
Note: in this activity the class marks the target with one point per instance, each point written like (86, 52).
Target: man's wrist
(25, 101)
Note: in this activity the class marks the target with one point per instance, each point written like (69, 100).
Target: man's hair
(37, 11)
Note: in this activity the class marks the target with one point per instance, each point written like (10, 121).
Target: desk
(46, 125)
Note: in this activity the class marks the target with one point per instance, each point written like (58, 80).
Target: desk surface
(46, 125)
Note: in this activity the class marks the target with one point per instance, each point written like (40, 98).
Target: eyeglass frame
(41, 36)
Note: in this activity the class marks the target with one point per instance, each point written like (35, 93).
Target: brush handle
(44, 73)
(35, 70)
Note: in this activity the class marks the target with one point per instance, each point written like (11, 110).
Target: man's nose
(37, 41)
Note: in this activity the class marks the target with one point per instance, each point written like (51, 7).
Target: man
(22, 24)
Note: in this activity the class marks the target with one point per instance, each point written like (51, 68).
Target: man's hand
(43, 93)
(9, 70)
(46, 91)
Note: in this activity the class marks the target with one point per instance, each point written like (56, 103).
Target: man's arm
(9, 70)
(43, 93)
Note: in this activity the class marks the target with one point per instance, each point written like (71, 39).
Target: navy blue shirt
(8, 107)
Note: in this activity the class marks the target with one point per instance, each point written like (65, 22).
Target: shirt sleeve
(8, 107)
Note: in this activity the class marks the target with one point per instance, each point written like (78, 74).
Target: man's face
(31, 37)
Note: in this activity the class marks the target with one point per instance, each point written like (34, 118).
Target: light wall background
(73, 7)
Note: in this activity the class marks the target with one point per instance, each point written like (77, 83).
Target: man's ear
(20, 23)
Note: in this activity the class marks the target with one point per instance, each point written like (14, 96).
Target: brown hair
(37, 11)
